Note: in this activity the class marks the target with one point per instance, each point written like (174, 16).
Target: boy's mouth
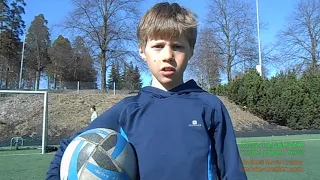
(167, 71)
(167, 68)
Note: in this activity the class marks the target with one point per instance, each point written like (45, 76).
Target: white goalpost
(45, 113)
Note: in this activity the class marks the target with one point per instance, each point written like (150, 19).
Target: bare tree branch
(299, 41)
(104, 25)
(234, 26)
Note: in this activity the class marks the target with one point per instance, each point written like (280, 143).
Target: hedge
(285, 99)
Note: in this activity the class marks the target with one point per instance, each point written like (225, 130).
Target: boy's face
(167, 60)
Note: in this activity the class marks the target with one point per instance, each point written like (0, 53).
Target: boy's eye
(178, 47)
(174, 47)
(158, 46)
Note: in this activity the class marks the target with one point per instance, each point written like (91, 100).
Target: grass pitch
(31, 165)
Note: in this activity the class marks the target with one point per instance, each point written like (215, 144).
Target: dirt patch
(244, 121)
(21, 115)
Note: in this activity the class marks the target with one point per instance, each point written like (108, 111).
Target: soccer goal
(10, 95)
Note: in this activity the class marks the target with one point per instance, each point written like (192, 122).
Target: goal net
(24, 119)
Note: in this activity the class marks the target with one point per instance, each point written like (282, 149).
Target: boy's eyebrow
(163, 41)
(157, 41)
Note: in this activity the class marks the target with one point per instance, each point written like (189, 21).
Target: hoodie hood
(187, 87)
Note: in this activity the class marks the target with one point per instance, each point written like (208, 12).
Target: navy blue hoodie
(182, 134)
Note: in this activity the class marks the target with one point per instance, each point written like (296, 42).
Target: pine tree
(123, 76)
(84, 64)
(137, 79)
(130, 77)
(37, 45)
(16, 22)
(61, 58)
(11, 27)
(111, 77)
(114, 77)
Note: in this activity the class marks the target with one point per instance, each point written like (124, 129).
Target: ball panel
(110, 151)
(105, 174)
(85, 173)
(101, 131)
(109, 142)
(84, 154)
(94, 138)
(73, 170)
(128, 161)
(121, 143)
(103, 160)
(65, 161)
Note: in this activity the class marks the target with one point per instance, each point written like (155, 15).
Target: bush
(220, 90)
(284, 99)
(235, 92)
(311, 106)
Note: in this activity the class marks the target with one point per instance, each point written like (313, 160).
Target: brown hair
(167, 21)
(93, 107)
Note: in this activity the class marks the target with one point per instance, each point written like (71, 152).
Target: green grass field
(31, 165)
(301, 160)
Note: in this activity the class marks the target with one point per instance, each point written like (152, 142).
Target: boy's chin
(166, 81)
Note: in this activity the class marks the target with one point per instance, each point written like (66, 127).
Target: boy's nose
(168, 54)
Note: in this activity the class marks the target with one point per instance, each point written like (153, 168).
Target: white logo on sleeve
(195, 123)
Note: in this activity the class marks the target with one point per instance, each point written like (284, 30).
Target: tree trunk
(314, 57)
(17, 84)
(48, 82)
(103, 70)
(36, 87)
(54, 81)
(6, 78)
(229, 70)
(60, 83)
(1, 75)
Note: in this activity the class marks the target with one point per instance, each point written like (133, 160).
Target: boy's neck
(165, 87)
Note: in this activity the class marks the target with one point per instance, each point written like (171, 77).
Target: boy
(94, 114)
(178, 130)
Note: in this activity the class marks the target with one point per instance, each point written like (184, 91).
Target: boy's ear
(141, 52)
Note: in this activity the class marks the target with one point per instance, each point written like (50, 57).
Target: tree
(11, 27)
(128, 82)
(61, 56)
(82, 67)
(206, 62)
(299, 42)
(106, 26)
(16, 22)
(131, 78)
(123, 75)
(36, 47)
(234, 27)
(137, 79)
(4, 15)
(114, 77)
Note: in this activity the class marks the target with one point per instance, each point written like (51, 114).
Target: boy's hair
(167, 21)
(93, 107)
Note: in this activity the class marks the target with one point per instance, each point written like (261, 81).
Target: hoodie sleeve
(229, 162)
(109, 119)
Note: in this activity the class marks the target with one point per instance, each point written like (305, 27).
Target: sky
(272, 14)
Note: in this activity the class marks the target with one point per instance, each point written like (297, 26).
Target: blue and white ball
(99, 154)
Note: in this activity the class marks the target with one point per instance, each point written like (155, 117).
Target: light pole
(259, 67)
(21, 64)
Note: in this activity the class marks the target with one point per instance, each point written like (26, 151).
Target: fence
(75, 87)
